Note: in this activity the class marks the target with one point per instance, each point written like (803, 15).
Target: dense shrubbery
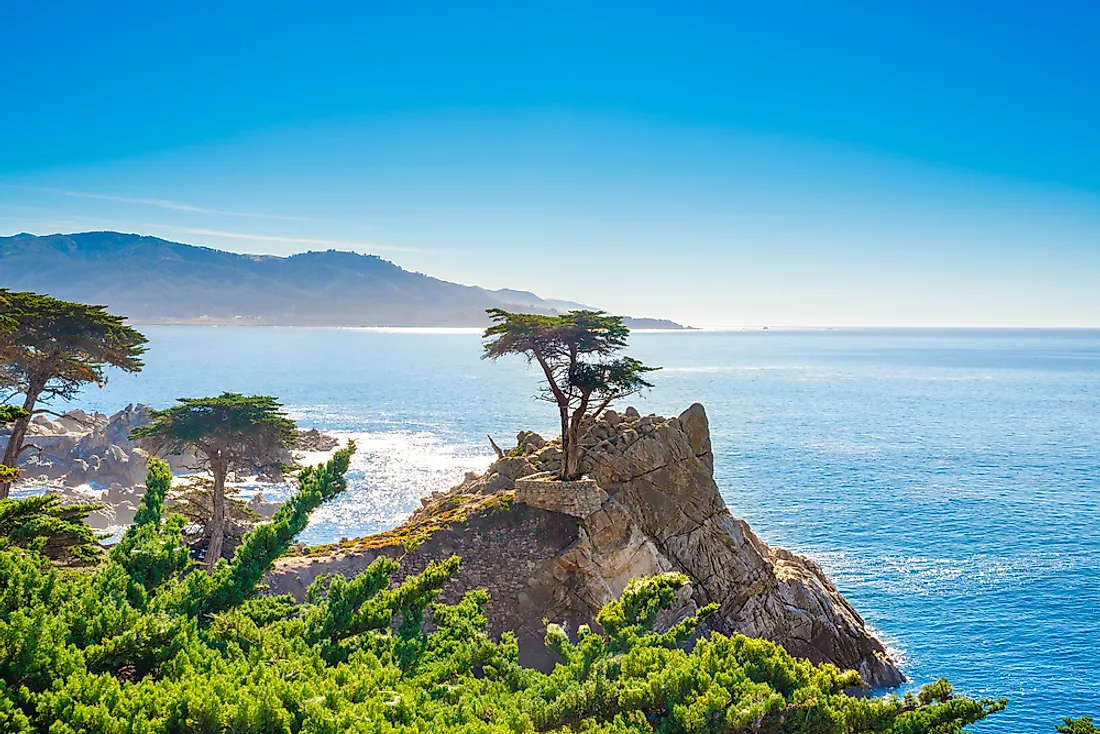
(142, 643)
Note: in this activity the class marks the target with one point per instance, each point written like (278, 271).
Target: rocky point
(549, 551)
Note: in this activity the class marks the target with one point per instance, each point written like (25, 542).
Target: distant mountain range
(154, 281)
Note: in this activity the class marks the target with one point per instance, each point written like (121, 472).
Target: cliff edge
(558, 552)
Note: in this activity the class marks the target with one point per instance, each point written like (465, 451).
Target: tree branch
(26, 446)
(561, 398)
(73, 418)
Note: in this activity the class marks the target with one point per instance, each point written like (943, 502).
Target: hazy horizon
(851, 166)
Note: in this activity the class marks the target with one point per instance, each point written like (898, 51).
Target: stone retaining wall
(578, 498)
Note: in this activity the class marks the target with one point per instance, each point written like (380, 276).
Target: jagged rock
(312, 440)
(80, 448)
(662, 512)
(124, 512)
(528, 441)
(266, 510)
(101, 519)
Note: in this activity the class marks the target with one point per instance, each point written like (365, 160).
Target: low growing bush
(145, 642)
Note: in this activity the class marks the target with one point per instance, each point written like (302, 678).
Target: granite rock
(659, 510)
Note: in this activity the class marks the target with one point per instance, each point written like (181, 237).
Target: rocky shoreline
(88, 458)
(548, 552)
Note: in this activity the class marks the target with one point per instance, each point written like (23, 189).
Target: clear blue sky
(933, 163)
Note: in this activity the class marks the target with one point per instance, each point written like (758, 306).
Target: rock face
(650, 506)
(82, 448)
(92, 448)
(88, 458)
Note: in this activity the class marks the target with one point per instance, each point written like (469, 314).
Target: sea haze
(948, 481)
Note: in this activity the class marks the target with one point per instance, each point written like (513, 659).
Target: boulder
(266, 510)
(311, 440)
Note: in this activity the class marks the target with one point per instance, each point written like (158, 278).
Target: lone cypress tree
(576, 353)
(230, 434)
(51, 349)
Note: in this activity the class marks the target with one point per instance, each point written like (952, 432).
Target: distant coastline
(153, 281)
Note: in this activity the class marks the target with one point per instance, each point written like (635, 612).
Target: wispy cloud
(296, 240)
(162, 203)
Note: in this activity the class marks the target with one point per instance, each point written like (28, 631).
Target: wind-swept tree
(9, 414)
(50, 349)
(577, 353)
(230, 435)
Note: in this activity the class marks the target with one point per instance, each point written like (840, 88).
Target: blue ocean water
(948, 481)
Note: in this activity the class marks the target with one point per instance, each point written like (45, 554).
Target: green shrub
(144, 643)
(44, 524)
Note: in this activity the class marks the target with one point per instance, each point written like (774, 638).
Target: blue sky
(728, 163)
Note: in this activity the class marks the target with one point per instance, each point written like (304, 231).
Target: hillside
(153, 281)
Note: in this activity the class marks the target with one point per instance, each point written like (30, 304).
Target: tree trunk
(573, 467)
(576, 423)
(15, 439)
(567, 447)
(217, 519)
(571, 458)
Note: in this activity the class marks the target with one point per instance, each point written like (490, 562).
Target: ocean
(947, 480)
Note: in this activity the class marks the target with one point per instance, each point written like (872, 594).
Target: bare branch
(73, 418)
(26, 446)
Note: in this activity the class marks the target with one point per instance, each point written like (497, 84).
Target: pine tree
(230, 434)
(51, 349)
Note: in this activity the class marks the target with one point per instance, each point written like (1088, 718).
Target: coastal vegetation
(576, 352)
(144, 642)
(51, 349)
(228, 434)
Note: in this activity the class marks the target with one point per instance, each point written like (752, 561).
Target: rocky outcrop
(92, 448)
(649, 505)
(88, 458)
(85, 448)
(313, 441)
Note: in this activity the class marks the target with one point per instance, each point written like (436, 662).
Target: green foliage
(195, 501)
(55, 347)
(1083, 725)
(630, 619)
(11, 413)
(576, 352)
(244, 432)
(151, 551)
(51, 349)
(55, 530)
(145, 644)
(230, 434)
(638, 681)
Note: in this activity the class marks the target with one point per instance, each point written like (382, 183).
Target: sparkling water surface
(948, 481)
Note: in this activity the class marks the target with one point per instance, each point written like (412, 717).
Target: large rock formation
(548, 552)
(92, 448)
(83, 448)
(88, 458)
